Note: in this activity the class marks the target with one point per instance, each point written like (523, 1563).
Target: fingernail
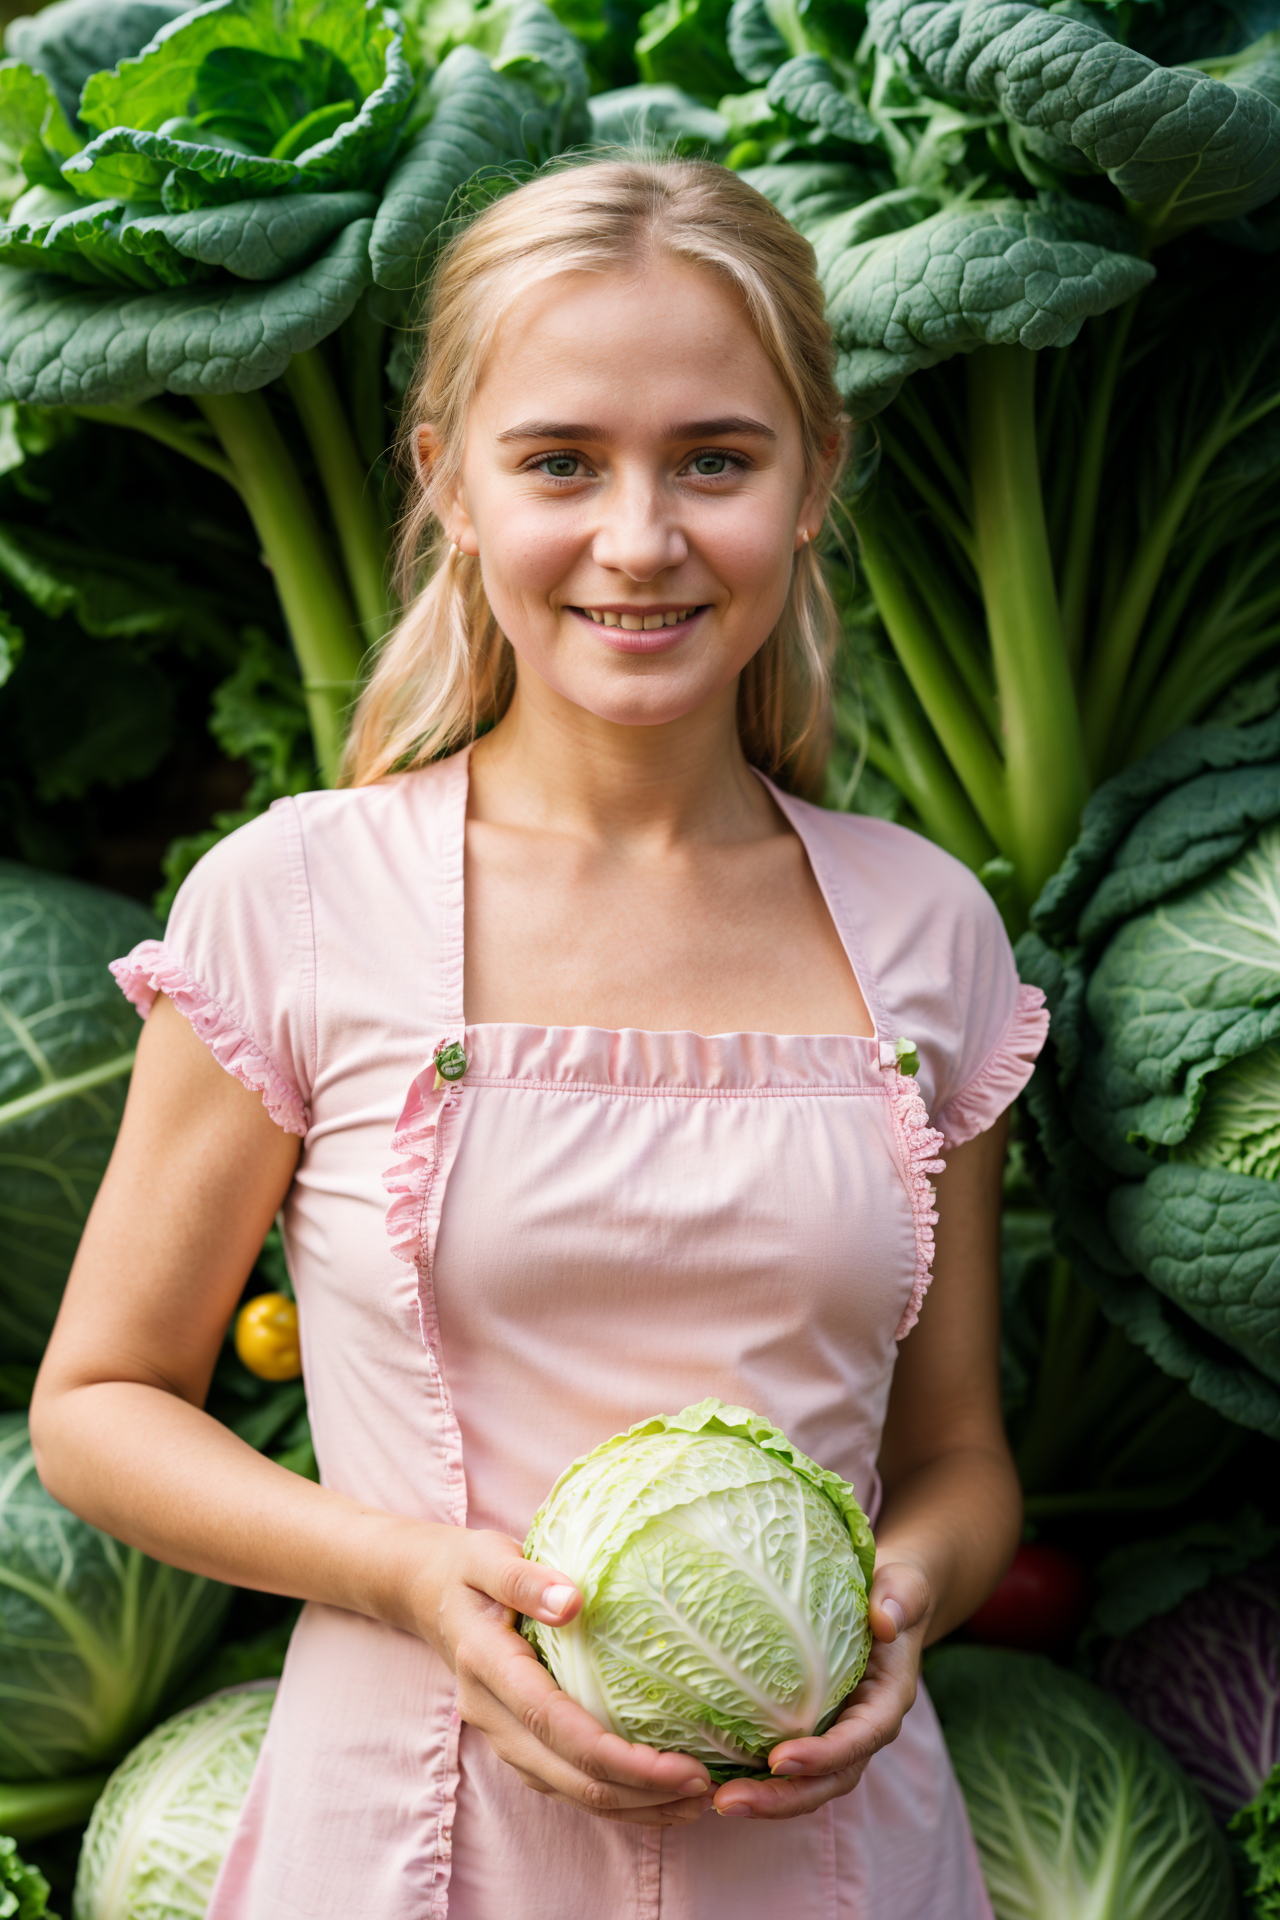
(894, 1612)
(736, 1812)
(556, 1599)
(785, 1767)
(694, 1786)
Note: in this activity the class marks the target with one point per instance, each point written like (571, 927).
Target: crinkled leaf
(1121, 862)
(82, 348)
(808, 88)
(654, 117)
(241, 97)
(128, 165)
(1192, 983)
(1182, 147)
(12, 641)
(1210, 1241)
(254, 239)
(57, 233)
(74, 38)
(999, 273)
(1238, 1125)
(478, 120)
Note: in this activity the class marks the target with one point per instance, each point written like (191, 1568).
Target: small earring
(804, 535)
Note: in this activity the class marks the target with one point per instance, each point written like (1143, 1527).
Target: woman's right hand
(472, 1587)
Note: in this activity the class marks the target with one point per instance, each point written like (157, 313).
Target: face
(634, 488)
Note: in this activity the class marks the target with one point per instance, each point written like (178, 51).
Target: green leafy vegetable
(24, 1891)
(1156, 945)
(93, 1635)
(725, 1581)
(167, 1814)
(67, 1040)
(1256, 1831)
(1075, 1808)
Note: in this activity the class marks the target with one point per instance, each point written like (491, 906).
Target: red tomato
(1038, 1606)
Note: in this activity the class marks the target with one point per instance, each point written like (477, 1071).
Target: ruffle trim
(150, 969)
(1003, 1074)
(921, 1147)
(409, 1179)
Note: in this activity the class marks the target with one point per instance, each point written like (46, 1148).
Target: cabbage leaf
(1074, 1807)
(93, 1635)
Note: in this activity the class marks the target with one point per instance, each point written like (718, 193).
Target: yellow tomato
(267, 1337)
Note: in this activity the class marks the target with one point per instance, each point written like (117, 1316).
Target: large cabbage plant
(1076, 1809)
(198, 199)
(94, 1636)
(165, 1820)
(1157, 1101)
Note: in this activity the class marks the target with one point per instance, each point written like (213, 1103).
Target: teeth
(638, 622)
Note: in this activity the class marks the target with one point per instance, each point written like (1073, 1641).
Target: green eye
(560, 466)
(711, 463)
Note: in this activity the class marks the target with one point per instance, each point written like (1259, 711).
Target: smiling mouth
(638, 622)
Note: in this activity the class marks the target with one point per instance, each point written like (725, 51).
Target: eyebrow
(689, 430)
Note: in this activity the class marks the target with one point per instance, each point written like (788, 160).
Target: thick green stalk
(920, 770)
(47, 1806)
(1090, 465)
(315, 602)
(935, 681)
(1047, 783)
(345, 478)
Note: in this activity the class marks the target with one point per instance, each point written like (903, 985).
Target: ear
(813, 508)
(450, 507)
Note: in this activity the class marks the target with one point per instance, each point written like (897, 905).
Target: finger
(548, 1723)
(872, 1718)
(499, 1569)
(782, 1799)
(899, 1599)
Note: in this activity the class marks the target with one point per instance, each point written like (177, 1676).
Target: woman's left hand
(807, 1773)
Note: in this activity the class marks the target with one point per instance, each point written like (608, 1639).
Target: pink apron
(587, 1228)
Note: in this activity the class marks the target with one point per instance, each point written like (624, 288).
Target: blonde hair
(446, 671)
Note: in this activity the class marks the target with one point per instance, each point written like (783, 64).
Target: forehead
(670, 340)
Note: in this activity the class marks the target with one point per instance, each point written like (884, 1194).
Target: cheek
(527, 552)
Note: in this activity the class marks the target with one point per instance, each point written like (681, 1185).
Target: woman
(683, 1158)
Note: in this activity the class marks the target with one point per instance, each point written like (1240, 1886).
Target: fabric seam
(523, 1081)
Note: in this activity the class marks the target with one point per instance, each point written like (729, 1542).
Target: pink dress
(587, 1228)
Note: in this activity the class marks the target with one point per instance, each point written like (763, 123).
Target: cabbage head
(93, 1635)
(1157, 1101)
(725, 1580)
(67, 1040)
(165, 1820)
(1077, 1811)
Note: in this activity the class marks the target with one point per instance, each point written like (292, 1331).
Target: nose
(639, 534)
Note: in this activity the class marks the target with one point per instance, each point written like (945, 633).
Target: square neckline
(792, 811)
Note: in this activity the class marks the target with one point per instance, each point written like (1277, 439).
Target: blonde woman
(575, 851)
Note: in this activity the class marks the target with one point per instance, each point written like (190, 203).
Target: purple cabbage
(1205, 1679)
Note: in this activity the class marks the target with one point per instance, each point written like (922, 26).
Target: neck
(551, 765)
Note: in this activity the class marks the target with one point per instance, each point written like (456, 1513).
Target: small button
(450, 1063)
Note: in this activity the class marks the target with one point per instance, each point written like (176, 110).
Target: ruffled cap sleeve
(235, 961)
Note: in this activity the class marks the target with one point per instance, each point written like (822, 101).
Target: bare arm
(121, 1437)
(952, 1507)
